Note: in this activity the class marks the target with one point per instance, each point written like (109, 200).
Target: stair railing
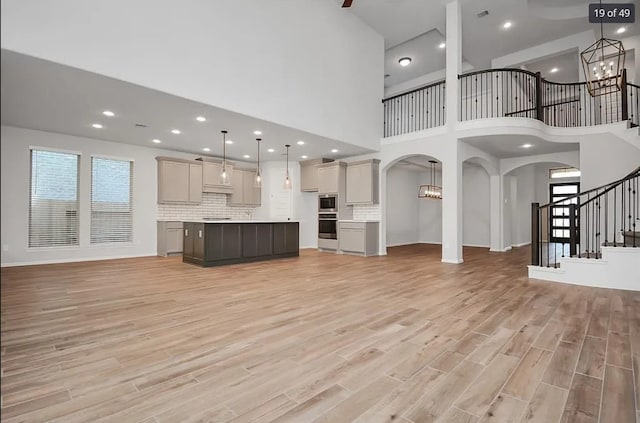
(602, 216)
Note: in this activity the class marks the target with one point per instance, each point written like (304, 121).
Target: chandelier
(431, 190)
(603, 64)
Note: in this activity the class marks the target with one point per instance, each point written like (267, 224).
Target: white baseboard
(458, 261)
(74, 259)
(399, 244)
(504, 250)
(522, 244)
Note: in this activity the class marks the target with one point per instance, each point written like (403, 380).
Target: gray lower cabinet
(193, 242)
(358, 238)
(257, 239)
(215, 244)
(285, 238)
(169, 238)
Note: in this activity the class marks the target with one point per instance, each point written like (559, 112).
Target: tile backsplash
(213, 205)
(366, 212)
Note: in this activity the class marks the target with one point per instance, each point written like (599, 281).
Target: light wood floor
(319, 338)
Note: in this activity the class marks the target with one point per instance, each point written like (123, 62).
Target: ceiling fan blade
(347, 3)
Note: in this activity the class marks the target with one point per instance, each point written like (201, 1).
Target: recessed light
(304, 157)
(271, 150)
(527, 145)
(405, 61)
(257, 132)
(300, 142)
(507, 25)
(246, 156)
(156, 141)
(554, 70)
(97, 126)
(201, 119)
(335, 150)
(442, 45)
(175, 131)
(108, 113)
(206, 149)
(229, 142)
(621, 30)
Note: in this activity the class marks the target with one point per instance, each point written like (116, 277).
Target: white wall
(15, 168)
(306, 64)
(403, 206)
(606, 159)
(476, 216)
(578, 41)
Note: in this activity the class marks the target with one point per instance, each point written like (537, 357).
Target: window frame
(77, 153)
(131, 198)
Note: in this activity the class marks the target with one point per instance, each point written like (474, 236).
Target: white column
(452, 204)
(453, 61)
(452, 164)
(495, 208)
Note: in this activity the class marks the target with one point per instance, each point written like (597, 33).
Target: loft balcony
(504, 93)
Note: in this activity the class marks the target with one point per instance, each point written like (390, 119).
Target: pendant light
(603, 65)
(431, 190)
(257, 183)
(287, 179)
(224, 176)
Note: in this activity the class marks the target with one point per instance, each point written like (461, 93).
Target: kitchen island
(214, 243)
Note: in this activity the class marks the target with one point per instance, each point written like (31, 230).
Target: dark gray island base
(215, 244)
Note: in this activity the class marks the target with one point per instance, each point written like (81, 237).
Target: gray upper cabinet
(362, 182)
(244, 193)
(309, 174)
(211, 179)
(331, 178)
(179, 181)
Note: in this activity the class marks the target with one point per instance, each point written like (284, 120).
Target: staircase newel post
(539, 111)
(573, 233)
(625, 100)
(535, 234)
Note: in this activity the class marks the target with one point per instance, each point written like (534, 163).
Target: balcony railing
(511, 93)
(419, 109)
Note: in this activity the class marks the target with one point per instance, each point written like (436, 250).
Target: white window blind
(111, 200)
(53, 206)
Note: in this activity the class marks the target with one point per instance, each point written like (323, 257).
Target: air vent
(141, 125)
(483, 14)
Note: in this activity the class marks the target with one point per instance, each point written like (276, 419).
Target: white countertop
(359, 221)
(230, 221)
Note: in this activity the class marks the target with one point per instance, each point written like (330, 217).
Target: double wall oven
(328, 216)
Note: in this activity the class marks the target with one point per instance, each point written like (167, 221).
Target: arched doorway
(409, 219)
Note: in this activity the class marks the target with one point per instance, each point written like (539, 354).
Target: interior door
(560, 219)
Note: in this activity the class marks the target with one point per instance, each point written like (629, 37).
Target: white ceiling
(42, 95)
(507, 146)
(568, 65)
(534, 22)
(421, 64)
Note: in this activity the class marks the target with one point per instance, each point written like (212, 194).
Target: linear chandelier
(431, 190)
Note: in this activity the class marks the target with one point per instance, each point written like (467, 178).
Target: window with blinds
(111, 200)
(53, 205)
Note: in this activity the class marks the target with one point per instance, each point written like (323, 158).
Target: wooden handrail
(423, 87)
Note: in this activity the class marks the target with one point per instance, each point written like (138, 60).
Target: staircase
(602, 248)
